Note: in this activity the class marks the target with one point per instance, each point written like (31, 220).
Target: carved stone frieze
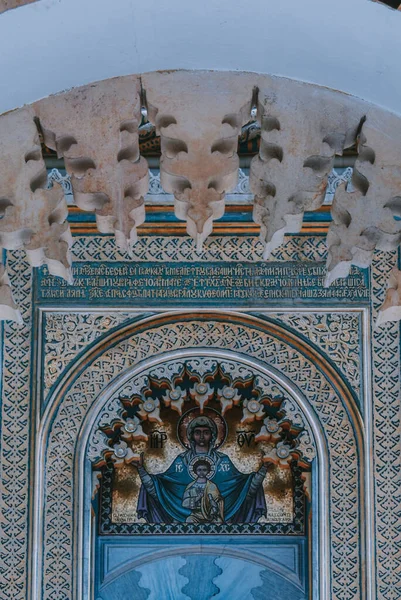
(386, 447)
(95, 130)
(337, 334)
(219, 248)
(15, 427)
(365, 219)
(199, 117)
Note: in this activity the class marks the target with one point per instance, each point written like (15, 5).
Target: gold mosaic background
(278, 484)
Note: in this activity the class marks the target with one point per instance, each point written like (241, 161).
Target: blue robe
(170, 487)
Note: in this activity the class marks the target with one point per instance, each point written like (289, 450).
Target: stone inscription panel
(196, 283)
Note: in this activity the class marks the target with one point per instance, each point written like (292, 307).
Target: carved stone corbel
(95, 129)
(300, 136)
(8, 309)
(391, 307)
(199, 117)
(364, 219)
(33, 217)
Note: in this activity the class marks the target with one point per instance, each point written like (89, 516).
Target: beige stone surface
(8, 4)
(8, 309)
(366, 219)
(391, 307)
(301, 134)
(199, 116)
(95, 129)
(33, 217)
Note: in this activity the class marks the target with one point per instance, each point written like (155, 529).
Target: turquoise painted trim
(169, 217)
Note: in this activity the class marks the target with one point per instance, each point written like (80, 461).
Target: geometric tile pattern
(387, 437)
(338, 335)
(15, 432)
(66, 334)
(182, 248)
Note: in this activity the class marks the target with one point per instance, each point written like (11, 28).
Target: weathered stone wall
(9, 4)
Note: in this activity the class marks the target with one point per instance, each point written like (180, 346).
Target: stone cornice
(199, 116)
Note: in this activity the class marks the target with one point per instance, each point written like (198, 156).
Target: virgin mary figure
(161, 495)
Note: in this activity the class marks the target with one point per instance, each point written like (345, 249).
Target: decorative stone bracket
(33, 217)
(95, 130)
(199, 116)
(199, 129)
(367, 218)
(301, 134)
(391, 308)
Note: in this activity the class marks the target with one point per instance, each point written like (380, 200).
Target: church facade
(200, 350)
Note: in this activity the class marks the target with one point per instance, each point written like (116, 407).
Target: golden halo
(192, 414)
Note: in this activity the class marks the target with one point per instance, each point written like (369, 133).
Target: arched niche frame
(61, 531)
(203, 364)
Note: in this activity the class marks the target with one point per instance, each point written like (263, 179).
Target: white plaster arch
(123, 356)
(53, 45)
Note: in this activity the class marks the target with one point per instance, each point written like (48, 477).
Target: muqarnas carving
(95, 129)
(33, 217)
(199, 117)
(368, 218)
(300, 136)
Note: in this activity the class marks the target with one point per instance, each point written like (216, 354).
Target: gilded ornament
(201, 393)
(228, 396)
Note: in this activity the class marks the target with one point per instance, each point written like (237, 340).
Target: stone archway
(63, 432)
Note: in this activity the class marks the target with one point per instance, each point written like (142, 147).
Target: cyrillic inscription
(233, 284)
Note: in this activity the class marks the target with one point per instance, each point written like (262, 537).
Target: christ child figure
(202, 497)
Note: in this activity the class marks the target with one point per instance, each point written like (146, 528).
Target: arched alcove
(318, 389)
(282, 547)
